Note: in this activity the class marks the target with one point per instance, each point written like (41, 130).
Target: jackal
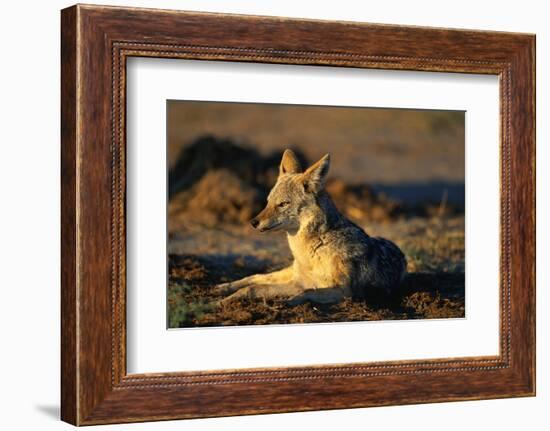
(333, 257)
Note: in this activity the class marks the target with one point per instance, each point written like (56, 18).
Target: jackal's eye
(283, 204)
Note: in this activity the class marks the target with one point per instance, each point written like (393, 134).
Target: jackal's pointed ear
(316, 175)
(289, 163)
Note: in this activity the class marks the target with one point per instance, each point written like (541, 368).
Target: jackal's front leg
(264, 291)
(278, 277)
(330, 295)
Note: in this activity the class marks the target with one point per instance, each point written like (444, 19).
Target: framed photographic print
(265, 215)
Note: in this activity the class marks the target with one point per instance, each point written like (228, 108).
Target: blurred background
(398, 173)
(412, 155)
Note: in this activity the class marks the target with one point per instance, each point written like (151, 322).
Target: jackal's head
(293, 193)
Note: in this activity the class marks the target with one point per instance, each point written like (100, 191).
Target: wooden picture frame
(95, 43)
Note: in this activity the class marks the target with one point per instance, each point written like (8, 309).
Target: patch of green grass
(437, 246)
(183, 312)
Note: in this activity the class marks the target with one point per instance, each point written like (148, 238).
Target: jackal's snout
(262, 220)
(265, 220)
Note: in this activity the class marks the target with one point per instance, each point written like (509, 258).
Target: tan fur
(333, 258)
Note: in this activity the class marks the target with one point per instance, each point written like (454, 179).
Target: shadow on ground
(52, 411)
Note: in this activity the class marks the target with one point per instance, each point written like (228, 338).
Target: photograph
(275, 215)
(296, 214)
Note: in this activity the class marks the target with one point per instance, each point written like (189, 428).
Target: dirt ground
(434, 287)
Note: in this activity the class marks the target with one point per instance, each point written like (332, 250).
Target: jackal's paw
(220, 303)
(222, 289)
